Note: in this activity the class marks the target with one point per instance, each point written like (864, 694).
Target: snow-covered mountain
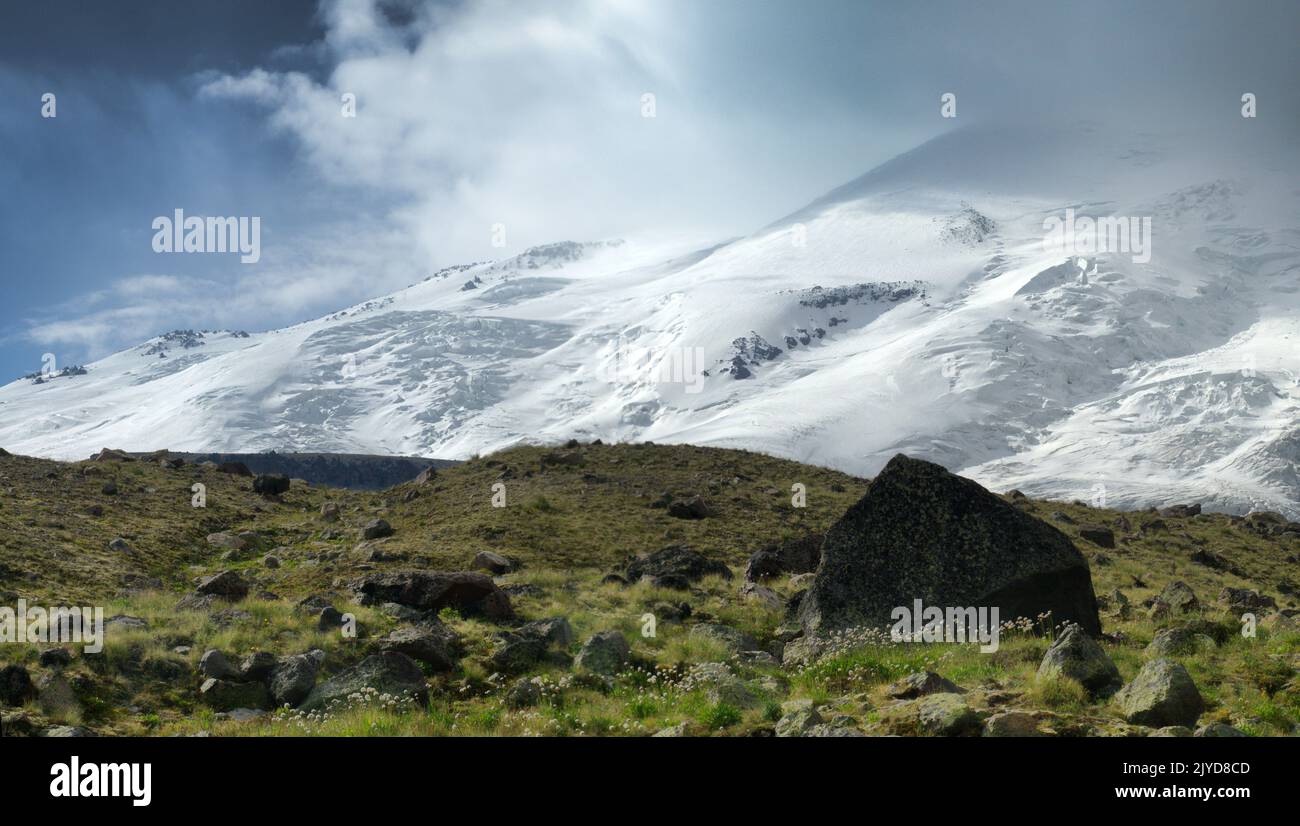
(915, 309)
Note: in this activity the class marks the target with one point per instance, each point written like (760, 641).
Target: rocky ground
(591, 589)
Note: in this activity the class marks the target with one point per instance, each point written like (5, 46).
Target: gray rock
(523, 693)
(921, 684)
(1012, 724)
(56, 697)
(469, 592)
(1162, 694)
(224, 695)
(605, 653)
(1171, 731)
(1179, 641)
(257, 666)
(376, 529)
(797, 718)
(120, 545)
(676, 561)
(227, 585)
(214, 664)
(493, 562)
(387, 673)
(433, 643)
(293, 678)
(1077, 656)
(227, 541)
(554, 631)
(1219, 730)
(1180, 598)
(922, 530)
(732, 639)
(938, 715)
(517, 654)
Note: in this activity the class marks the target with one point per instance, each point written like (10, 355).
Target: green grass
(569, 524)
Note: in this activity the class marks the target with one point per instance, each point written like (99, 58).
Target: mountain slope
(915, 309)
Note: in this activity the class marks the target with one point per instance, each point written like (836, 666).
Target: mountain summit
(924, 308)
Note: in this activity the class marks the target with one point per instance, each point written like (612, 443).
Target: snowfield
(915, 309)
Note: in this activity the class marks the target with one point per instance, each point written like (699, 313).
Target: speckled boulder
(921, 532)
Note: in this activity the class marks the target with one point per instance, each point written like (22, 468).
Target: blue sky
(527, 114)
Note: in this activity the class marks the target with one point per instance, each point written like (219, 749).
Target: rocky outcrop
(921, 532)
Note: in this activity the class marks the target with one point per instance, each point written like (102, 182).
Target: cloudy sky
(526, 114)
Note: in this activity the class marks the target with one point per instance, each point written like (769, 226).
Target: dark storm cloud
(526, 114)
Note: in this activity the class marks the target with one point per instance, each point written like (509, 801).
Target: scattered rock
(1242, 600)
(605, 653)
(762, 595)
(1219, 730)
(225, 695)
(921, 684)
(693, 508)
(1162, 694)
(1098, 535)
(56, 697)
(798, 717)
(1179, 641)
(120, 545)
(434, 644)
(227, 540)
(15, 685)
(227, 585)
(676, 561)
(269, 484)
(387, 673)
(937, 715)
(214, 665)
(1012, 724)
(376, 529)
(517, 654)
(1180, 598)
(329, 512)
(55, 658)
(493, 562)
(1171, 731)
(293, 678)
(470, 593)
(1077, 656)
(732, 639)
(523, 693)
(257, 666)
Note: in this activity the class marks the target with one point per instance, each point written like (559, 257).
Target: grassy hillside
(572, 514)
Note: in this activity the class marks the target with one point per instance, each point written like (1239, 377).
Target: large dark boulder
(469, 592)
(923, 533)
